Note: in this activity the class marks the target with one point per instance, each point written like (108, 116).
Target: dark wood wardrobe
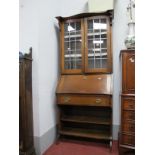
(26, 145)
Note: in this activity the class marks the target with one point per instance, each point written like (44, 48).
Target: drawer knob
(131, 128)
(98, 100)
(132, 60)
(66, 99)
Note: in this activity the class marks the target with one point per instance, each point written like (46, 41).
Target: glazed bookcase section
(97, 45)
(85, 44)
(72, 46)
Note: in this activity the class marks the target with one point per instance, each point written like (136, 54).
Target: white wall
(48, 66)
(28, 37)
(119, 34)
(69, 7)
(38, 29)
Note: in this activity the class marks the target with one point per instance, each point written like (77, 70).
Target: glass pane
(97, 43)
(72, 45)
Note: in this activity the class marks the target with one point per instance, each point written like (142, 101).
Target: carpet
(67, 147)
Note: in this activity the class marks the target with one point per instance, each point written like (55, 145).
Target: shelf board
(97, 59)
(86, 133)
(96, 49)
(97, 39)
(79, 35)
(86, 119)
(99, 33)
(97, 54)
(89, 55)
(72, 36)
(72, 55)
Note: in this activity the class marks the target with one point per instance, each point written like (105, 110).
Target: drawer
(128, 127)
(128, 139)
(84, 100)
(128, 115)
(128, 103)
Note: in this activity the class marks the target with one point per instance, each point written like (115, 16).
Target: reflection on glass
(72, 45)
(97, 43)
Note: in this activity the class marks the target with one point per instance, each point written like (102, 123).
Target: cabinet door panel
(72, 46)
(128, 72)
(97, 44)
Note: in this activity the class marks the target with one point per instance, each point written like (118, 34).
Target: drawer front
(128, 103)
(84, 100)
(128, 127)
(128, 139)
(128, 115)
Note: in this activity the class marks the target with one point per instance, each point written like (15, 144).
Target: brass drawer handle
(84, 78)
(132, 60)
(98, 100)
(66, 99)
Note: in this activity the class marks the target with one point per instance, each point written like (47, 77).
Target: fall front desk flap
(85, 84)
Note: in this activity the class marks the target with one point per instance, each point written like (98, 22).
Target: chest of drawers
(127, 128)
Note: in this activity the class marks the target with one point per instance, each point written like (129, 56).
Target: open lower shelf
(86, 133)
(87, 119)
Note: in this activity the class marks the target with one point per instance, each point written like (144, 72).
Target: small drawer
(128, 127)
(128, 139)
(128, 115)
(128, 103)
(84, 100)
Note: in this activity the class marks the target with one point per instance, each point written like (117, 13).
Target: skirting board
(115, 131)
(45, 141)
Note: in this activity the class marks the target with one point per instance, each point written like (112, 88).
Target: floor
(66, 147)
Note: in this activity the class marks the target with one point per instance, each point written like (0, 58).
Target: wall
(28, 37)
(119, 34)
(38, 28)
(37, 23)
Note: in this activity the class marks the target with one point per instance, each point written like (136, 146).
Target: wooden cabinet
(128, 72)
(85, 110)
(84, 93)
(127, 130)
(26, 146)
(86, 43)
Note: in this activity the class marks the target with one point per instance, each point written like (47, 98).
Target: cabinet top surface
(26, 56)
(87, 14)
(127, 50)
(85, 84)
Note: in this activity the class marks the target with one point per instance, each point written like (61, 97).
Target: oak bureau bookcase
(84, 90)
